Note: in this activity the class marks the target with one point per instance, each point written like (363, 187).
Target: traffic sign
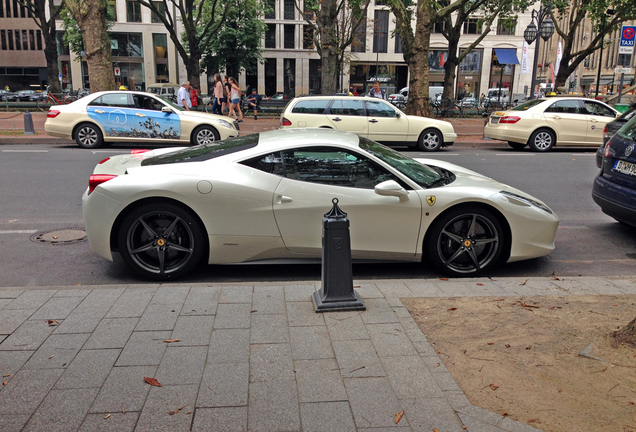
(626, 70)
(628, 36)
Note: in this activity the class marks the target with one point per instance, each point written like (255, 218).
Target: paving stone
(233, 316)
(29, 336)
(393, 289)
(514, 426)
(412, 330)
(26, 390)
(425, 349)
(88, 369)
(12, 361)
(327, 417)
(368, 290)
(132, 303)
(602, 286)
(161, 401)
(144, 348)
(31, 300)
(458, 289)
(378, 312)
(201, 301)
(220, 419)
(182, 365)
(457, 399)
(319, 381)
(482, 414)
(358, 358)
(346, 326)
(268, 300)
(310, 343)
(273, 406)
(476, 425)
(87, 315)
(124, 390)
(390, 340)
(372, 401)
(57, 308)
(229, 345)
(388, 429)
(269, 329)
(299, 293)
(10, 294)
(112, 333)
(62, 410)
(627, 286)
(303, 314)
(446, 382)
(271, 362)
(11, 319)
(57, 352)
(420, 288)
(13, 423)
(410, 378)
(4, 302)
(236, 294)
(432, 413)
(83, 292)
(116, 422)
(159, 317)
(193, 330)
(224, 385)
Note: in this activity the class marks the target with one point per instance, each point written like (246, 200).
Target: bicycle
(448, 108)
(477, 108)
(52, 100)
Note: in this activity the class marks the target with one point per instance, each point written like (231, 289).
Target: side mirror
(166, 109)
(390, 188)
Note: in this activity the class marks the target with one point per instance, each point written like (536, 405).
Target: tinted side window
(311, 107)
(271, 163)
(352, 107)
(380, 109)
(595, 108)
(146, 102)
(334, 167)
(112, 100)
(565, 107)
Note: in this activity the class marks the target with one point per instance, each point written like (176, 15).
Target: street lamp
(544, 27)
(607, 13)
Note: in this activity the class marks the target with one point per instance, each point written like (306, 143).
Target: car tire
(465, 241)
(205, 135)
(161, 241)
(542, 140)
(516, 145)
(89, 136)
(430, 140)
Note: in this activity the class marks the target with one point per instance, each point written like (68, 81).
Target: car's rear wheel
(89, 136)
(205, 135)
(465, 241)
(516, 145)
(542, 140)
(161, 241)
(430, 140)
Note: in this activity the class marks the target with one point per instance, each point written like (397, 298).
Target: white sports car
(262, 197)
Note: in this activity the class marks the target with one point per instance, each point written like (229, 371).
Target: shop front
(392, 77)
(469, 75)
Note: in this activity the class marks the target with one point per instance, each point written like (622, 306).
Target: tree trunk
(50, 53)
(626, 335)
(419, 102)
(327, 20)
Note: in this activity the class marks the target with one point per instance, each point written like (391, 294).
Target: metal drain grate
(63, 236)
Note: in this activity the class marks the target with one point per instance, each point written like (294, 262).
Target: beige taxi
(368, 117)
(542, 124)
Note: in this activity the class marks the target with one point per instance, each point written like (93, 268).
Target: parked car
(280, 96)
(25, 95)
(614, 188)
(6, 95)
(611, 128)
(118, 116)
(398, 100)
(263, 196)
(544, 123)
(369, 117)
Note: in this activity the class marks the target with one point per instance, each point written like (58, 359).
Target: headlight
(526, 200)
(225, 124)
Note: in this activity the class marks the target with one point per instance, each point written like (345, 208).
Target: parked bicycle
(51, 99)
(476, 107)
(447, 108)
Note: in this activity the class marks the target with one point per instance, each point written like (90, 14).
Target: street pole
(600, 60)
(536, 62)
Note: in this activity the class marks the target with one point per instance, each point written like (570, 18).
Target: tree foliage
(73, 35)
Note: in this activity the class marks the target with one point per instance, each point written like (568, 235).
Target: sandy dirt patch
(520, 357)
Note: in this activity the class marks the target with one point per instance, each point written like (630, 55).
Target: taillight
(606, 134)
(53, 113)
(607, 150)
(285, 122)
(509, 119)
(138, 151)
(96, 179)
(103, 160)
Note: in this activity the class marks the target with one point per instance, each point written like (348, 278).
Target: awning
(606, 80)
(506, 55)
(587, 80)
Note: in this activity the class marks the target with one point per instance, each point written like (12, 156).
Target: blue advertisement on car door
(136, 123)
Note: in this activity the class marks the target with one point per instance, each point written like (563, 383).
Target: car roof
(306, 137)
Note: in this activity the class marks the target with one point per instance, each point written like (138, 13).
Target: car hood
(204, 115)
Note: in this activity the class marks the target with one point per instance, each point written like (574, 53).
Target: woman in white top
(235, 99)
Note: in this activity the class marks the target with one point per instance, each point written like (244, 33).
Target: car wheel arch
(432, 129)
(544, 128)
(215, 131)
(85, 122)
(505, 254)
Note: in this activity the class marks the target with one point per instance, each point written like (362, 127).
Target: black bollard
(28, 123)
(336, 292)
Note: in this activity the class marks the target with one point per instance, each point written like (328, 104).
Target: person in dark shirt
(252, 102)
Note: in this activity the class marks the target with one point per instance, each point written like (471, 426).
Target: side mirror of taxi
(390, 188)
(166, 109)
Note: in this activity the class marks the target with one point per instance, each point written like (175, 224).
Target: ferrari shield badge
(430, 200)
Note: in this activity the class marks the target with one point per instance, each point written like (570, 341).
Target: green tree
(570, 15)
(73, 35)
(90, 16)
(201, 20)
(333, 30)
(44, 14)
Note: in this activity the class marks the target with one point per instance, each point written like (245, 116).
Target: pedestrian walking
(376, 91)
(218, 95)
(227, 88)
(183, 96)
(235, 99)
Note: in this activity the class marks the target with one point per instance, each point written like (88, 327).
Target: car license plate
(625, 168)
(494, 120)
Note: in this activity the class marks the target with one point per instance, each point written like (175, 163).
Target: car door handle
(556, 117)
(336, 119)
(140, 115)
(98, 111)
(282, 199)
(373, 121)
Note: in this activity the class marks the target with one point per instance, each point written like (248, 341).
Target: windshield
(526, 105)
(628, 131)
(419, 173)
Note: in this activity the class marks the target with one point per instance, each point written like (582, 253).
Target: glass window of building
(506, 26)
(126, 45)
(289, 36)
(25, 40)
(270, 76)
(289, 75)
(289, 9)
(398, 43)
(10, 39)
(3, 39)
(38, 39)
(1, 9)
(270, 36)
(380, 31)
(359, 43)
(18, 42)
(308, 37)
(133, 11)
(160, 43)
(112, 5)
(270, 9)
(156, 17)
(16, 9)
(439, 27)
(472, 26)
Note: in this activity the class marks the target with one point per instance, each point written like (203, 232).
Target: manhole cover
(60, 236)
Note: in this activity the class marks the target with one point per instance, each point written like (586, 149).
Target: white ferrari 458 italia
(261, 198)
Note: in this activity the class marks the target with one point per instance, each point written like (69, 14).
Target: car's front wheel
(465, 241)
(542, 140)
(205, 135)
(161, 241)
(430, 140)
(89, 136)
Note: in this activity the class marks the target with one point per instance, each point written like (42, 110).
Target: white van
(433, 92)
(493, 95)
(168, 90)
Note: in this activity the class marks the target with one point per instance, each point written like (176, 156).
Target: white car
(368, 117)
(261, 198)
(126, 116)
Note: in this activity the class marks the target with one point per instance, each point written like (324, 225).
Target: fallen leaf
(494, 386)
(172, 340)
(189, 412)
(399, 416)
(55, 237)
(435, 430)
(53, 322)
(122, 409)
(4, 383)
(452, 309)
(554, 277)
(524, 282)
(444, 279)
(490, 343)
(108, 415)
(51, 357)
(480, 284)
(507, 346)
(152, 382)
(528, 347)
(7, 375)
(176, 411)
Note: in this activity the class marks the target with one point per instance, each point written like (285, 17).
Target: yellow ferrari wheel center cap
(467, 243)
(161, 242)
